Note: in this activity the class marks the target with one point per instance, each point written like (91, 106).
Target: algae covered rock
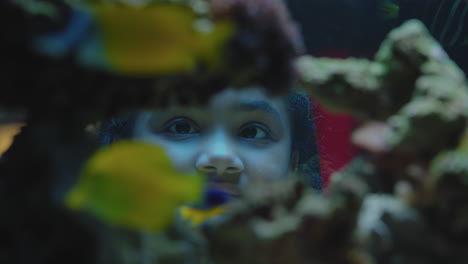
(288, 224)
(413, 141)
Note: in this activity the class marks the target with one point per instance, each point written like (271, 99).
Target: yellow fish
(158, 37)
(133, 184)
(198, 216)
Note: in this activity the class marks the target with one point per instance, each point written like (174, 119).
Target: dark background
(340, 27)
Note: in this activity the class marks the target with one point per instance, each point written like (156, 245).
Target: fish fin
(389, 10)
(197, 217)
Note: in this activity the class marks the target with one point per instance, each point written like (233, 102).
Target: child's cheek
(267, 163)
(182, 154)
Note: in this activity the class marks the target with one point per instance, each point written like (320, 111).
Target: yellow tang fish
(158, 37)
(133, 184)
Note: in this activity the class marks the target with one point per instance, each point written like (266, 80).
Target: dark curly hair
(264, 45)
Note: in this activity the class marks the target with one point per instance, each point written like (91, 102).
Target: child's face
(238, 136)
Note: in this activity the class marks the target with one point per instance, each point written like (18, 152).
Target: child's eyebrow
(260, 105)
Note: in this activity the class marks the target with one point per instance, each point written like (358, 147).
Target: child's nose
(220, 164)
(219, 156)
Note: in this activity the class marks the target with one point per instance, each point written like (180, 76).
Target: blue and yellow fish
(144, 40)
(213, 204)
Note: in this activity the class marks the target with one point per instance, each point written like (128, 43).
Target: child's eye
(181, 127)
(254, 131)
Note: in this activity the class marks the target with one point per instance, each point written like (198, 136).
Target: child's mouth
(219, 193)
(230, 189)
(221, 189)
